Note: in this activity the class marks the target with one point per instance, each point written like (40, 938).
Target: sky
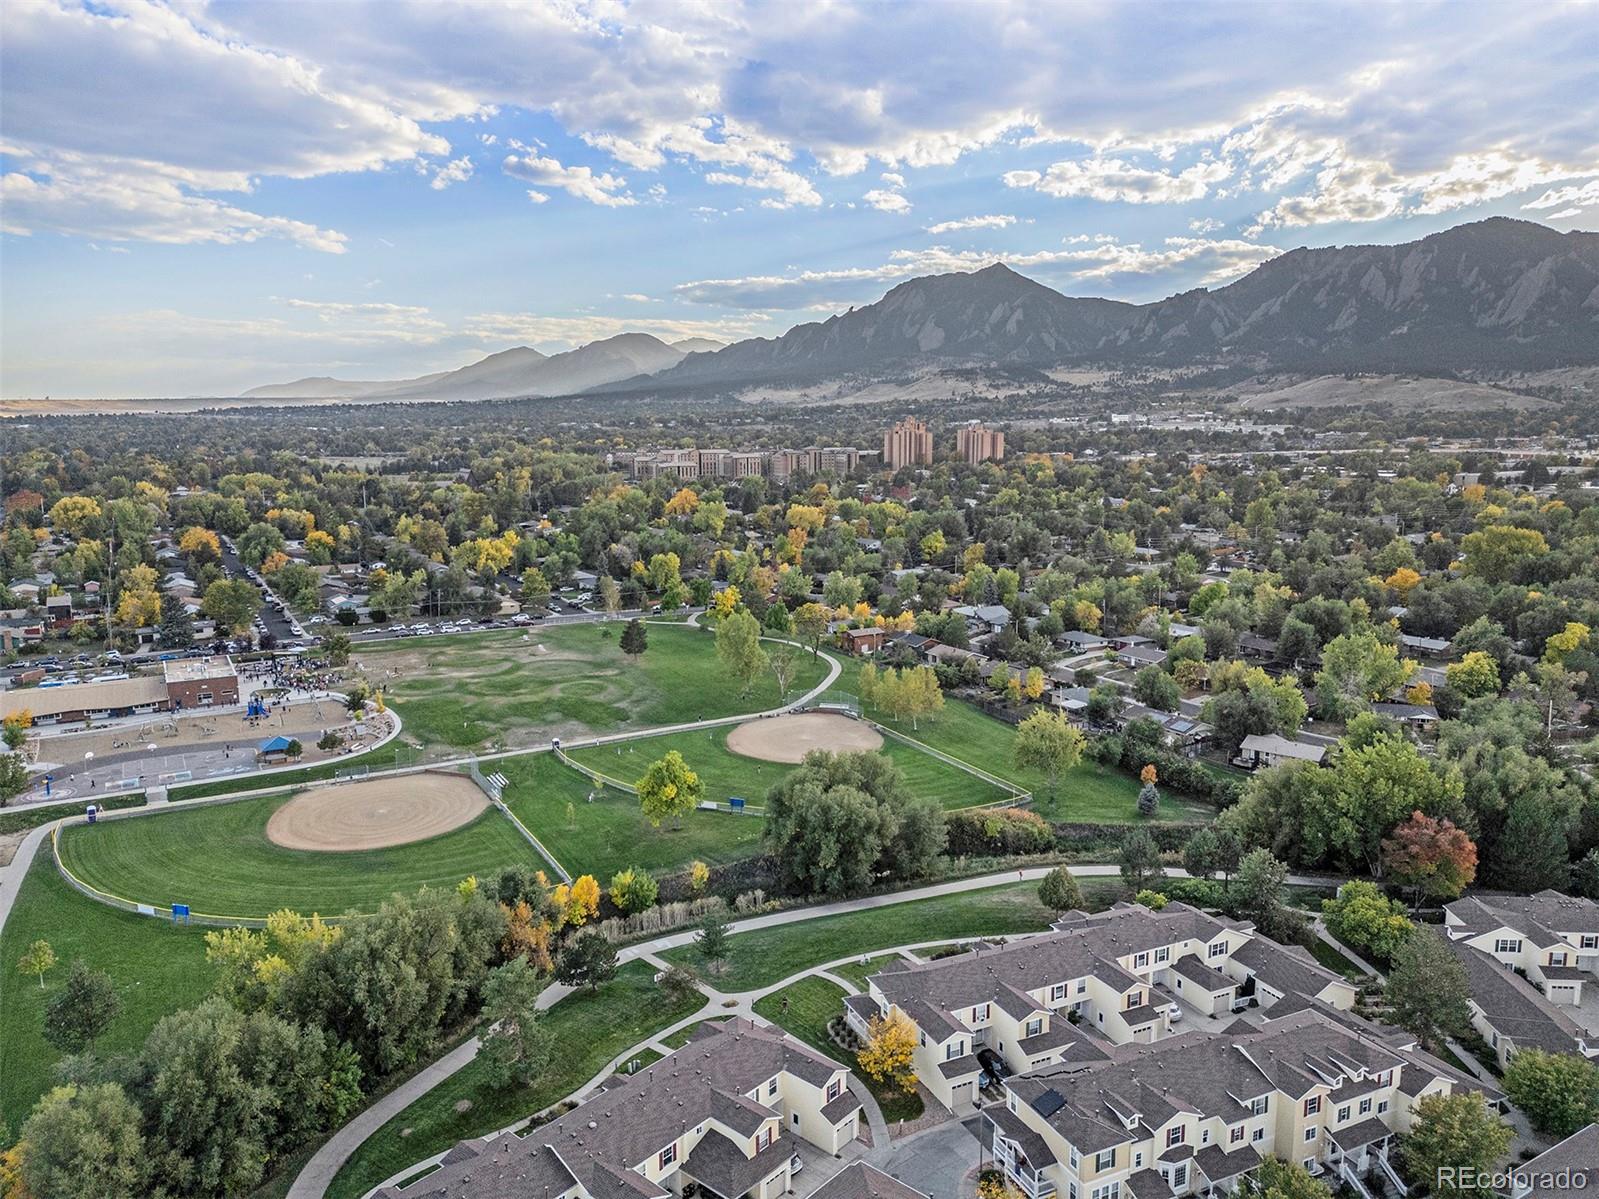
(198, 197)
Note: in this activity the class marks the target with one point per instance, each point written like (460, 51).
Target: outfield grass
(812, 1002)
(769, 955)
(590, 1030)
(218, 860)
(158, 969)
(611, 833)
(492, 690)
(726, 773)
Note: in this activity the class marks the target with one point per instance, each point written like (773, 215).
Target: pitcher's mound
(377, 813)
(790, 738)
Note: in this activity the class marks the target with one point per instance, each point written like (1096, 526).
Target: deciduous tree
(82, 1009)
(1432, 857)
(890, 1050)
(669, 790)
(1047, 741)
(1059, 892)
(1427, 988)
(588, 960)
(517, 1047)
(1558, 1091)
(1457, 1131)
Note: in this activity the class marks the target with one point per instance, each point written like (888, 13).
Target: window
(1082, 986)
(1507, 945)
(763, 1139)
(1204, 1136)
(1236, 1135)
(1312, 1104)
(1072, 1156)
(1058, 991)
(1343, 1113)
(1365, 1106)
(980, 1012)
(1111, 1190)
(954, 1050)
(1218, 950)
(1071, 1190)
(668, 1155)
(1257, 1107)
(771, 1088)
(1260, 1135)
(835, 1089)
(1140, 960)
(1163, 954)
(1175, 1136)
(1035, 1026)
(1382, 1107)
(1138, 1158)
(1179, 1176)
(1590, 940)
(1557, 959)
(1105, 1159)
(1135, 999)
(1310, 1133)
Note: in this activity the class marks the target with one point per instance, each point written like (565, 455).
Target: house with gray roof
(1511, 1014)
(861, 1181)
(1194, 1113)
(1550, 937)
(1568, 1170)
(720, 1112)
(1092, 982)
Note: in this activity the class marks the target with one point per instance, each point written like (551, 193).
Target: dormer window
(835, 1089)
(763, 1139)
(980, 1013)
(1218, 950)
(1507, 945)
(1163, 954)
(1035, 1026)
(1140, 960)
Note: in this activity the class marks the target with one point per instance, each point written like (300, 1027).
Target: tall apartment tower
(977, 444)
(907, 444)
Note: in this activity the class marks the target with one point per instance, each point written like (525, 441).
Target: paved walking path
(318, 1173)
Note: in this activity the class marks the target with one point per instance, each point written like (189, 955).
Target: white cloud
(998, 220)
(512, 328)
(458, 171)
(1571, 200)
(119, 202)
(538, 197)
(886, 201)
(1565, 214)
(892, 179)
(1114, 179)
(1099, 258)
(1206, 224)
(607, 190)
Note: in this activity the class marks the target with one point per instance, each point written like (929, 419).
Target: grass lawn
(218, 860)
(158, 968)
(1335, 961)
(1089, 791)
(496, 690)
(812, 1002)
(769, 955)
(611, 833)
(858, 972)
(685, 1034)
(23, 819)
(590, 1030)
(725, 773)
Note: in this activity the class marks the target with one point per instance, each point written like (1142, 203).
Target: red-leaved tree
(1432, 857)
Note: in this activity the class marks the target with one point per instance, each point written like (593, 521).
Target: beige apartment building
(976, 443)
(909, 443)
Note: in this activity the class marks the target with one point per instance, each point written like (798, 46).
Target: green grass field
(590, 1030)
(726, 773)
(493, 690)
(812, 1002)
(218, 860)
(769, 955)
(158, 969)
(611, 833)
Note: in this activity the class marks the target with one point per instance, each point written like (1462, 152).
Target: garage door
(964, 1093)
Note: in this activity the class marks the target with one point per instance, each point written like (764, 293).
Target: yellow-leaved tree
(889, 1052)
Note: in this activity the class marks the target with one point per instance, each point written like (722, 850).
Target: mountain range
(1498, 293)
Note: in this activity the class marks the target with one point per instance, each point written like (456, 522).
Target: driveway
(935, 1161)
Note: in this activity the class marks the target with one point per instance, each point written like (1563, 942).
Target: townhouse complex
(1192, 1113)
(1529, 959)
(1093, 982)
(722, 1112)
(777, 465)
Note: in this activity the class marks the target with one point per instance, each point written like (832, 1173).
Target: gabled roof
(860, 1181)
(1513, 1006)
(1541, 916)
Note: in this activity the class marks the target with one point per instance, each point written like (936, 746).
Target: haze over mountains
(1498, 293)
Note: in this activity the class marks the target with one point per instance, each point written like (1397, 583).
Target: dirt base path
(790, 738)
(378, 813)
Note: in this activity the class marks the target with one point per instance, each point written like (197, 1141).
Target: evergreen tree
(83, 1009)
(635, 639)
(176, 630)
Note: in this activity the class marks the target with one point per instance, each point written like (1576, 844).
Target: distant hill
(1498, 294)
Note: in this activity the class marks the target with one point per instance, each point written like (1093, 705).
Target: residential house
(1565, 1171)
(724, 1112)
(1550, 937)
(984, 618)
(1421, 717)
(1269, 749)
(861, 1181)
(1510, 1014)
(861, 642)
(1079, 642)
(1092, 982)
